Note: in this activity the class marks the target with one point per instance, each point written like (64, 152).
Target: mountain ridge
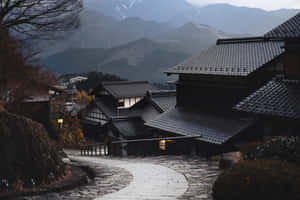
(225, 17)
(143, 59)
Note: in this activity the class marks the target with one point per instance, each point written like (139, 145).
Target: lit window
(163, 145)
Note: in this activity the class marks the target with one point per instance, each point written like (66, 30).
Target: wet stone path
(107, 180)
(151, 178)
(200, 174)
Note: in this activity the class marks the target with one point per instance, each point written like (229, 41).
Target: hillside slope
(139, 60)
(100, 31)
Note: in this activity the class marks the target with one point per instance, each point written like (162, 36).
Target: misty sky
(264, 4)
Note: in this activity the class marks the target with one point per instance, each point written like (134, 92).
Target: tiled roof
(280, 98)
(89, 119)
(163, 99)
(130, 127)
(126, 89)
(232, 57)
(213, 128)
(155, 103)
(109, 109)
(289, 29)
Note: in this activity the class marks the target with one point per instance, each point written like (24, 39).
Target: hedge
(259, 180)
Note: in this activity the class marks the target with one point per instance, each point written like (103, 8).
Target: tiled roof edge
(123, 118)
(247, 40)
(122, 82)
(161, 93)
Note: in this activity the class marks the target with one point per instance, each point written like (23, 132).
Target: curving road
(150, 181)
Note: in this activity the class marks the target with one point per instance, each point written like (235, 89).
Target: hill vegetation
(139, 60)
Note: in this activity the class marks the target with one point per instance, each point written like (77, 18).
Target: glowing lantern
(60, 122)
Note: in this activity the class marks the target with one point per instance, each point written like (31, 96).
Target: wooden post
(193, 149)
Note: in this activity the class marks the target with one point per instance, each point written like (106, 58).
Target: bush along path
(269, 171)
(28, 159)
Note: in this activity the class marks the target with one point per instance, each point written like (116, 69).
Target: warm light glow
(163, 145)
(60, 121)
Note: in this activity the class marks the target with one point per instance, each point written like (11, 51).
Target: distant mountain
(233, 19)
(193, 38)
(154, 10)
(225, 17)
(139, 60)
(100, 31)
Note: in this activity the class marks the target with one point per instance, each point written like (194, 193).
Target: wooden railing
(103, 149)
(99, 149)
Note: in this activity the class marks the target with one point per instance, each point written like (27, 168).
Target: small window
(121, 103)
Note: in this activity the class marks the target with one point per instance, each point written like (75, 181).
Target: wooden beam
(156, 139)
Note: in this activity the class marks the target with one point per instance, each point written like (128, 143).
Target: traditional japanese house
(131, 127)
(155, 103)
(113, 100)
(209, 86)
(124, 129)
(278, 102)
(38, 106)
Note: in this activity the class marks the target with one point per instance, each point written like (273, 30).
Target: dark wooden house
(154, 104)
(131, 126)
(209, 85)
(113, 100)
(277, 103)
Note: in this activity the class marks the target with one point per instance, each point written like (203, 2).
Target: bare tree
(18, 77)
(40, 19)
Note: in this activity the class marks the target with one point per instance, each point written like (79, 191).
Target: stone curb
(79, 177)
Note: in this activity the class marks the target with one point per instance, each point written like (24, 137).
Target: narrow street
(150, 181)
(149, 178)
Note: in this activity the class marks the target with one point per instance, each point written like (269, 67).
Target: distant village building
(113, 100)
(130, 128)
(108, 121)
(77, 79)
(70, 82)
(154, 104)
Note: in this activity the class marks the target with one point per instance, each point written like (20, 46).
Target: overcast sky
(264, 4)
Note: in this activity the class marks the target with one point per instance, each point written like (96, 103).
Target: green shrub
(277, 148)
(259, 180)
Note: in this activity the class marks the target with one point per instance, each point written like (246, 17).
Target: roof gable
(164, 100)
(130, 127)
(127, 89)
(232, 57)
(288, 30)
